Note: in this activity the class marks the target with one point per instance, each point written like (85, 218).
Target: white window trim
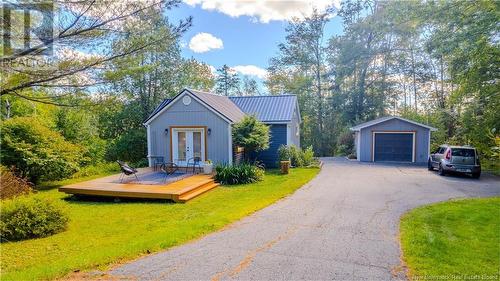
(413, 152)
(358, 143)
(174, 152)
(429, 146)
(289, 140)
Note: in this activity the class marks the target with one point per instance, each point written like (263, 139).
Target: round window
(186, 100)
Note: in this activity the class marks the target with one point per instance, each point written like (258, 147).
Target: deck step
(197, 191)
(192, 186)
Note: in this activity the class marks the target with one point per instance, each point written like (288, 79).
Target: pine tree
(227, 82)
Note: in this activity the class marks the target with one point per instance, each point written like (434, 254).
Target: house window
(297, 128)
(186, 100)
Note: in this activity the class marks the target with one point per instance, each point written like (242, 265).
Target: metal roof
(158, 108)
(221, 104)
(387, 118)
(268, 108)
(272, 109)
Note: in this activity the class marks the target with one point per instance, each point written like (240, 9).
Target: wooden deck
(180, 191)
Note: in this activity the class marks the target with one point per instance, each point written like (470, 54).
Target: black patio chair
(169, 169)
(157, 162)
(126, 170)
(193, 162)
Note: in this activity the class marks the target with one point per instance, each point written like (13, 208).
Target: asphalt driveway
(343, 225)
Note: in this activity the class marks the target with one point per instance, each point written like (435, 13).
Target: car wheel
(476, 175)
(429, 166)
(441, 171)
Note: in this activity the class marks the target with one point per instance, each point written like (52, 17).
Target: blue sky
(244, 36)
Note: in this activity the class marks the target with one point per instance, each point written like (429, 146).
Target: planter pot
(285, 167)
(208, 168)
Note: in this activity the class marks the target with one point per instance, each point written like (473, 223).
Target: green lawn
(103, 232)
(454, 240)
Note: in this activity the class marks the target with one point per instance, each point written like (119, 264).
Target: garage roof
(387, 118)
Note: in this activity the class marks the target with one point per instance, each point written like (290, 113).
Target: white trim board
(289, 134)
(358, 145)
(369, 124)
(429, 146)
(148, 130)
(189, 144)
(413, 152)
(230, 143)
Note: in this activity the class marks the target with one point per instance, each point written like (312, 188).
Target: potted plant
(208, 167)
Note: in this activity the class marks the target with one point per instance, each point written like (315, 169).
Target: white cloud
(265, 10)
(204, 42)
(251, 70)
(212, 69)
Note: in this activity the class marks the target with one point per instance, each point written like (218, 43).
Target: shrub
(97, 169)
(308, 157)
(130, 147)
(342, 149)
(345, 143)
(238, 174)
(80, 126)
(94, 151)
(284, 153)
(38, 152)
(290, 153)
(29, 217)
(297, 157)
(251, 134)
(12, 185)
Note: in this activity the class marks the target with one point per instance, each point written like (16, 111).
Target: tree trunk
(361, 93)
(320, 100)
(414, 79)
(442, 100)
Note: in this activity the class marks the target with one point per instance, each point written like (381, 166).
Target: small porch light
(166, 131)
(209, 131)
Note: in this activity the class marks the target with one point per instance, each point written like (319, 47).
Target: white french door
(187, 143)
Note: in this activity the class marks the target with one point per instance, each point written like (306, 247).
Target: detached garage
(392, 139)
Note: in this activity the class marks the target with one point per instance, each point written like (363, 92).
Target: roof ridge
(204, 92)
(263, 96)
(386, 118)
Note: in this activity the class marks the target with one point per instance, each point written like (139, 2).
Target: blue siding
(277, 138)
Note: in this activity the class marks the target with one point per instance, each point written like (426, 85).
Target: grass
(104, 232)
(454, 240)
